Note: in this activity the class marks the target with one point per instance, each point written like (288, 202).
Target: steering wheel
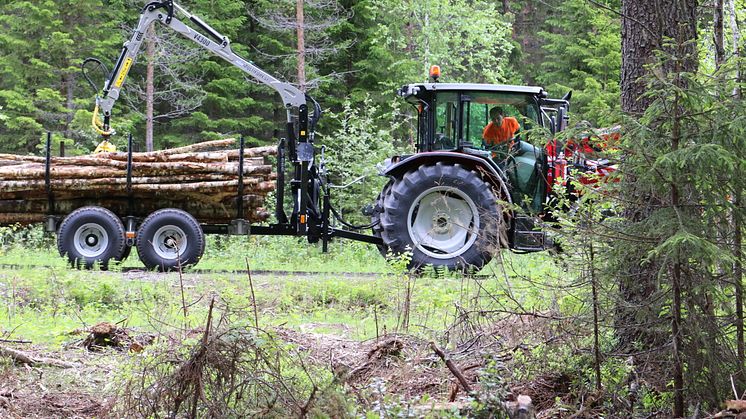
(440, 140)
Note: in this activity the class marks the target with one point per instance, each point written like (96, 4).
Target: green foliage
(493, 392)
(683, 167)
(469, 40)
(41, 46)
(581, 53)
(353, 152)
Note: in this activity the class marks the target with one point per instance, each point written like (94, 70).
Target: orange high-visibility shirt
(493, 134)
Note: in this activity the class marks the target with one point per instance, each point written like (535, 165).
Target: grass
(229, 253)
(350, 293)
(45, 300)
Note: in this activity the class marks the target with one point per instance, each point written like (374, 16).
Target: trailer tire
(445, 215)
(126, 253)
(91, 235)
(168, 239)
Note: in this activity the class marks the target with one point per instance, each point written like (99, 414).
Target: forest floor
(367, 324)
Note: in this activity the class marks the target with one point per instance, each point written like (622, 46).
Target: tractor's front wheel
(444, 214)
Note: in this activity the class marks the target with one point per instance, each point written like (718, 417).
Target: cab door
(523, 163)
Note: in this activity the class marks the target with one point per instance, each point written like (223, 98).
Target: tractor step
(527, 236)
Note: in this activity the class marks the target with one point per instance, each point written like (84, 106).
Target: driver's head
(497, 114)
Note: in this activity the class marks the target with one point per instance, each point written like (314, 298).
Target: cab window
(477, 113)
(446, 121)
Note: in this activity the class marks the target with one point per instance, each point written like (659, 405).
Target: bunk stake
(239, 212)
(280, 215)
(130, 200)
(325, 222)
(47, 173)
(51, 224)
(239, 226)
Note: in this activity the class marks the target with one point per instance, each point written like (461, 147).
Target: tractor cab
(452, 117)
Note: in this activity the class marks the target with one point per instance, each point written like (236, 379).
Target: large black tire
(91, 235)
(126, 254)
(445, 215)
(168, 239)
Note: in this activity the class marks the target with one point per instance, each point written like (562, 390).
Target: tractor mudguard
(494, 175)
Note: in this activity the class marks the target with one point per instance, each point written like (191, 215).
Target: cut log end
(200, 178)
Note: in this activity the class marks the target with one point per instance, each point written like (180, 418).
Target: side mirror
(561, 121)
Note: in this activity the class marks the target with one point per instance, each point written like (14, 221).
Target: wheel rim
(443, 222)
(170, 242)
(91, 240)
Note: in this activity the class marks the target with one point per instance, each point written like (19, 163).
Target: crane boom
(211, 40)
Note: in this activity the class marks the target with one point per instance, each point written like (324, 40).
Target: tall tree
(149, 86)
(659, 35)
(169, 88)
(717, 33)
(300, 30)
(586, 61)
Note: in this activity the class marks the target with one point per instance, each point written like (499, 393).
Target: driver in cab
(500, 129)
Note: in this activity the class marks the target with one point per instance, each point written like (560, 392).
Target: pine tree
(42, 45)
(585, 59)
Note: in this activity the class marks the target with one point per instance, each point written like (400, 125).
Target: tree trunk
(676, 332)
(645, 25)
(301, 45)
(717, 19)
(649, 27)
(596, 320)
(736, 45)
(738, 280)
(149, 86)
(638, 45)
(70, 80)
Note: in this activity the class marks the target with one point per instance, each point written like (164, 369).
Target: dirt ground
(406, 365)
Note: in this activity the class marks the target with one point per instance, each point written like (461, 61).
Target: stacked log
(202, 179)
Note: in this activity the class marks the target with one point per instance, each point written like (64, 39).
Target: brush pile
(202, 179)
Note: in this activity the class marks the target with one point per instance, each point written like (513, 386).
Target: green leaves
(353, 151)
(469, 40)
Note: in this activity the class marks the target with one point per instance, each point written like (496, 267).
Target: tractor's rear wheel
(444, 214)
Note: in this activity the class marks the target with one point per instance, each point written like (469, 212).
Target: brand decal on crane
(123, 73)
(202, 40)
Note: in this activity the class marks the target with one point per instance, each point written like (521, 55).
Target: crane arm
(165, 12)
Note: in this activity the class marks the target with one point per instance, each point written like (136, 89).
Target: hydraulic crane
(300, 125)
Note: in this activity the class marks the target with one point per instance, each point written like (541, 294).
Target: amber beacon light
(435, 73)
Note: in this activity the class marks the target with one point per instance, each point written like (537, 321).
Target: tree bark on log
(35, 171)
(204, 183)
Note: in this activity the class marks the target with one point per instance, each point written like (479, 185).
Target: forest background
(660, 281)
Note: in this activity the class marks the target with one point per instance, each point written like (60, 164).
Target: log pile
(202, 179)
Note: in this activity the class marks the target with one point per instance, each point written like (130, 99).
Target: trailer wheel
(170, 238)
(126, 253)
(91, 235)
(445, 215)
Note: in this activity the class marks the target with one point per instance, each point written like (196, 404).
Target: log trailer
(452, 203)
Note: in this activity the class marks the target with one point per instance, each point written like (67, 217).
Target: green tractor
(458, 199)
